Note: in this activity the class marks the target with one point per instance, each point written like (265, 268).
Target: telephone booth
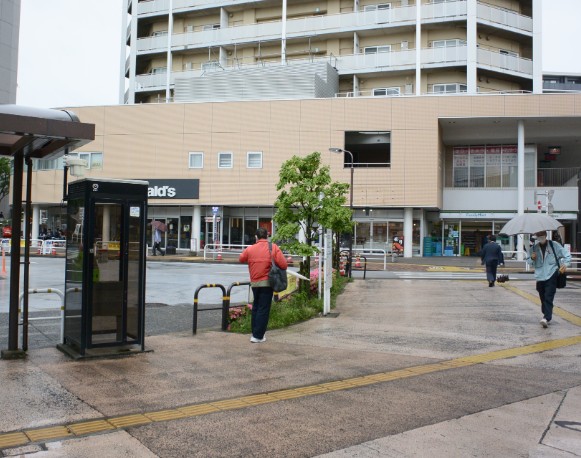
(105, 268)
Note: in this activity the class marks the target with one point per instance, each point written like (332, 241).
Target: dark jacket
(492, 252)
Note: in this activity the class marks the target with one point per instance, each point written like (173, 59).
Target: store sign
(174, 189)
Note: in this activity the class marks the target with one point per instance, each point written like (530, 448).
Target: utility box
(105, 268)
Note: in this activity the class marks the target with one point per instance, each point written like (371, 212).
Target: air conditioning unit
(189, 28)
(409, 89)
(188, 65)
(404, 45)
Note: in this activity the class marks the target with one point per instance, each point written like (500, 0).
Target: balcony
(436, 12)
(444, 57)
(383, 61)
(554, 178)
(495, 61)
(508, 19)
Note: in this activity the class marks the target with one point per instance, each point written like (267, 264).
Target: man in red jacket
(258, 258)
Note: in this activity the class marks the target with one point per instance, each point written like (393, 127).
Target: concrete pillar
(472, 50)
(196, 228)
(418, 49)
(35, 221)
(521, 178)
(408, 231)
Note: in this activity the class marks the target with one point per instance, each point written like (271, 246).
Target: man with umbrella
(549, 258)
(158, 228)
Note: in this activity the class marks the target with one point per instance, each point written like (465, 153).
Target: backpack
(277, 276)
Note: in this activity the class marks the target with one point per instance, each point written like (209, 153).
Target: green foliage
(302, 180)
(290, 310)
(4, 177)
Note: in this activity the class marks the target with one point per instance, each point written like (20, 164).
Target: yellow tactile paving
(165, 415)
(200, 409)
(90, 427)
(14, 439)
(43, 434)
(129, 420)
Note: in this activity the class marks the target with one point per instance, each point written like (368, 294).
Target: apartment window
(254, 159)
(380, 6)
(448, 43)
(376, 49)
(449, 88)
(196, 160)
(159, 33)
(225, 160)
(158, 70)
(384, 91)
(211, 26)
(212, 65)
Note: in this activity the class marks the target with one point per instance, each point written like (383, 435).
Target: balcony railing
(558, 177)
(495, 60)
(446, 10)
(504, 17)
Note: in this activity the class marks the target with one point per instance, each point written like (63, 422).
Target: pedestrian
(157, 242)
(1, 215)
(491, 256)
(549, 258)
(258, 257)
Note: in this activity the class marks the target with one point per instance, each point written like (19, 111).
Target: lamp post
(339, 151)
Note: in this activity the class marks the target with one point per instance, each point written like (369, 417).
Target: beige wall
(153, 141)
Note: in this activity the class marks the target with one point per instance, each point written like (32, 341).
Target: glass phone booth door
(105, 270)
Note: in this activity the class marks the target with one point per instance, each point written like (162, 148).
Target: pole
(351, 218)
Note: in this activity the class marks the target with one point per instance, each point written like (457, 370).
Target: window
(196, 161)
(380, 6)
(159, 33)
(449, 88)
(224, 160)
(211, 65)
(382, 91)
(211, 26)
(448, 43)
(254, 160)
(376, 49)
(188, 66)
(94, 160)
(158, 70)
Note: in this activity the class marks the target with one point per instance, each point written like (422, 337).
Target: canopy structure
(27, 133)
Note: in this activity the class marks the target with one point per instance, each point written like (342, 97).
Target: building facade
(10, 27)
(438, 172)
(192, 50)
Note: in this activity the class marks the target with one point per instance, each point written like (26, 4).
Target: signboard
(173, 189)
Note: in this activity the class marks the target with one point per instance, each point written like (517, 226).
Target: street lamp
(339, 151)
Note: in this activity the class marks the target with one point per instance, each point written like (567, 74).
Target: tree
(4, 177)
(302, 180)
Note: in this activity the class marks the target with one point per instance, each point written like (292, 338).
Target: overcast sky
(69, 52)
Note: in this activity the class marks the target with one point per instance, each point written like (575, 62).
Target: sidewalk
(407, 368)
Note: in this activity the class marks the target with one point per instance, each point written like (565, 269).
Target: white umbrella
(530, 223)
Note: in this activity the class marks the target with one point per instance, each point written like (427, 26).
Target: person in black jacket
(491, 255)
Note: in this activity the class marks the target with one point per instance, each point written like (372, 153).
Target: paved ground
(408, 368)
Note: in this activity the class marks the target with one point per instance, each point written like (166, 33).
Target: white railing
(496, 60)
(456, 55)
(446, 10)
(504, 17)
(376, 62)
(61, 317)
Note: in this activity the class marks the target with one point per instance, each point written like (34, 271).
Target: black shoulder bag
(561, 278)
(277, 276)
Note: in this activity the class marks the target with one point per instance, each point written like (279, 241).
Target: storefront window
(250, 226)
(172, 232)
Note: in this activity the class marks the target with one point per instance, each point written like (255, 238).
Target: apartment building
(10, 27)
(207, 50)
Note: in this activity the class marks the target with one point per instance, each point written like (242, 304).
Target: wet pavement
(408, 367)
